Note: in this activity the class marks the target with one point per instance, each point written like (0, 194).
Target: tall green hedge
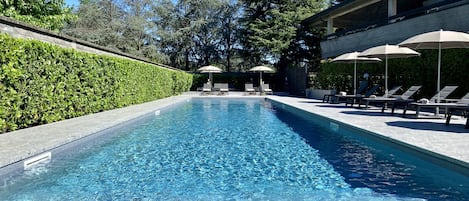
(42, 83)
(406, 72)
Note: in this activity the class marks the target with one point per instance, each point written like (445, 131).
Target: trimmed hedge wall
(406, 72)
(42, 83)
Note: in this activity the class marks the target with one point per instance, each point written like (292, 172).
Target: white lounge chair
(206, 89)
(249, 89)
(266, 89)
(222, 88)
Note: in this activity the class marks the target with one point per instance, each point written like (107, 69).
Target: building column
(330, 25)
(392, 8)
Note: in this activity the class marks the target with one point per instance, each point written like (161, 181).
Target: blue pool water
(220, 149)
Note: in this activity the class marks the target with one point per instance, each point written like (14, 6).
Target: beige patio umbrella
(438, 40)
(388, 52)
(261, 69)
(210, 70)
(352, 57)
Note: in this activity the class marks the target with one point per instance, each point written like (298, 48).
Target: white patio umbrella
(261, 69)
(352, 57)
(210, 70)
(388, 52)
(438, 40)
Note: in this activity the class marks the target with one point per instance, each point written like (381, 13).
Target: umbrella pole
(355, 78)
(211, 79)
(386, 78)
(437, 109)
(439, 76)
(260, 81)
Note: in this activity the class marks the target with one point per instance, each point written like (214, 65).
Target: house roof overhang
(351, 8)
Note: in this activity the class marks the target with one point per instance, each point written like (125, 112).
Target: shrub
(42, 83)
(406, 72)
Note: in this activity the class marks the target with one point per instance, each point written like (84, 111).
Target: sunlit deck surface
(431, 136)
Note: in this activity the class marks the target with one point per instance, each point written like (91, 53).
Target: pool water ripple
(205, 150)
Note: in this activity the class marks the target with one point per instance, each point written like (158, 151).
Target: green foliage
(41, 83)
(189, 34)
(51, 15)
(118, 25)
(271, 26)
(406, 72)
(196, 33)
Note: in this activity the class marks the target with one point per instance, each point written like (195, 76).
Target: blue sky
(72, 2)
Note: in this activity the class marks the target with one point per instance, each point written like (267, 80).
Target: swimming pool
(222, 149)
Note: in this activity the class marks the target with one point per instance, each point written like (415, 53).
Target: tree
(232, 34)
(171, 32)
(271, 26)
(52, 14)
(229, 22)
(99, 22)
(122, 25)
(191, 32)
(137, 29)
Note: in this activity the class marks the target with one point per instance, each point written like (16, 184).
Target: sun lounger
(464, 101)
(334, 98)
(395, 100)
(432, 103)
(222, 88)
(367, 100)
(249, 89)
(352, 99)
(206, 89)
(266, 89)
(392, 91)
(462, 107)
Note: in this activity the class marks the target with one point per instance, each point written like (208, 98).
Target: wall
(454, 19)
(296, 77)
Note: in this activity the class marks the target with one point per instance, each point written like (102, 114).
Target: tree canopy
(233, 34)
(273, 29)
(51, 14)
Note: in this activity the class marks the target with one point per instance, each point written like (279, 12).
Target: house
(355, 25)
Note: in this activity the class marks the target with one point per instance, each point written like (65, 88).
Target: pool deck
(427, 135)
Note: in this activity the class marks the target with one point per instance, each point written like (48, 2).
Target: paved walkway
(432, 135)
